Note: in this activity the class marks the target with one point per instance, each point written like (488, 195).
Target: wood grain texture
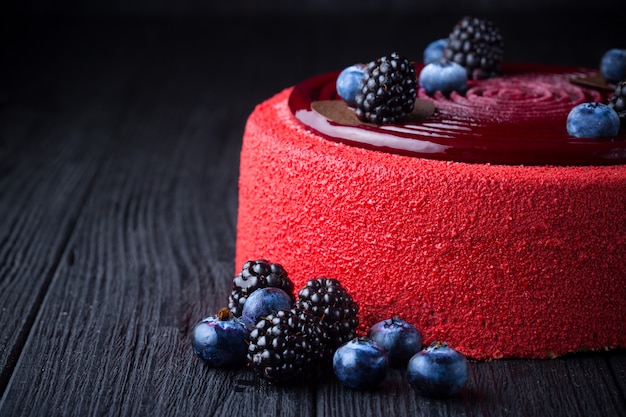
(49, 155)
(119, 157)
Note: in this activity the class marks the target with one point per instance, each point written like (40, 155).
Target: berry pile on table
(287, 339)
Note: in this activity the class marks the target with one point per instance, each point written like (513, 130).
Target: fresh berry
(288, 346)
(388, 92)
(328, 300)
(263, 302)
(445, 77)
(613, 65)
(349, 82)
(477, 45)
(434, 51)
(255, 275)
(360, 364)
(592, 120)
(618, 102)
(398, 338)
(437, 371)
(220, 341)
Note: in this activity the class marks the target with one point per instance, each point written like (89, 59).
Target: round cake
(482, 222)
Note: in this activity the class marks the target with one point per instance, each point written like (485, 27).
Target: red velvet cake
(484, 224)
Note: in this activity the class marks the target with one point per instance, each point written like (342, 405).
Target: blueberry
(437, 371)
(360, 364)
(398, 338)
(434, 51)
(613, 65)
(263, 302)
(443, 76)
(592, 120)
(220, 341)
(349, 82)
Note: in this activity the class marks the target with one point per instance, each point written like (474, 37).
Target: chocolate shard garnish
(339, 112)
(594, 80)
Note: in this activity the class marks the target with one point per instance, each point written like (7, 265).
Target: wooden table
(119, 157)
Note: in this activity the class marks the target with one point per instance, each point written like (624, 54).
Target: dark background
(274, 7)
(258, 47)
(572, 32)
(569, 32)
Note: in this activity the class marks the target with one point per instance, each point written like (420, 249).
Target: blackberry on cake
(254, 275)
(388, 92)
(477, 45)
(618, 102)
(288, 346)
(328, 300)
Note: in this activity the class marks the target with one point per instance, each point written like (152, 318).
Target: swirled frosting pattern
(524, 98)
(517, 118)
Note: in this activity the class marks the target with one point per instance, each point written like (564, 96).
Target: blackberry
(288, 346)
(254, 275)
(477, 45)
(388, 92)
(618, 102)
(327, 299)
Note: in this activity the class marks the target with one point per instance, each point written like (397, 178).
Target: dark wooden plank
(392, 398)
(150, 254)
(617, 363)
(32, 237)
(48, 158)
(577, 385)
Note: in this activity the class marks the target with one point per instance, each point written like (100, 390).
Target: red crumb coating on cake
(499, 261)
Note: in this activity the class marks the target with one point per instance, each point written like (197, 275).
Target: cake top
(517, 118)
(499, 113)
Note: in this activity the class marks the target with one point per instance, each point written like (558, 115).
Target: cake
(484, 223)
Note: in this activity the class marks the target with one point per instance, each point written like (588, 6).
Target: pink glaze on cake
(497, 260)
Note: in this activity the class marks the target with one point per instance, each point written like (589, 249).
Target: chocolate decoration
(593, 81)
(339, 112)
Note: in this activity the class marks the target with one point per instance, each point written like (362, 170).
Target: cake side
(500, 261)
